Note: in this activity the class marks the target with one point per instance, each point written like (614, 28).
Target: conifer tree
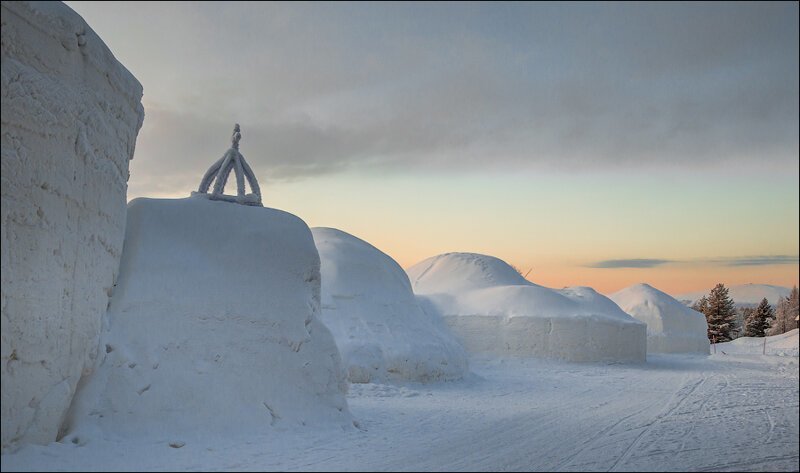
(720, 314)
(700, 305)
(758, 320)
(786, 313)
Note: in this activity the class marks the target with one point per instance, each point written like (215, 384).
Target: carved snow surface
(213, 328)
(495, 310)
(70, 117)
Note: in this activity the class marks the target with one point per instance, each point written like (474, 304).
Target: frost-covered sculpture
(218, 174)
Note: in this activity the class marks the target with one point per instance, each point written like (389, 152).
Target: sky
(597, 144)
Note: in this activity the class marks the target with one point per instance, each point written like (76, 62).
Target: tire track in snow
(659, 418)
(601, 434)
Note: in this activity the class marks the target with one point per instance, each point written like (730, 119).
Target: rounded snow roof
(475, 284)
(451, 272)
(378, 324)
(351, 260)
(661, 312)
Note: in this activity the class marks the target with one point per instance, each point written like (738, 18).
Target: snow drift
(213, 327)
(70, 117)
(785, 344)
(380, 329)
(671, 326)
(495, 310)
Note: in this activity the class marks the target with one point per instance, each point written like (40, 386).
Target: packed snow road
(676, 412)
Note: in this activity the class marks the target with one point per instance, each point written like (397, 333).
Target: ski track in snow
(676, 412)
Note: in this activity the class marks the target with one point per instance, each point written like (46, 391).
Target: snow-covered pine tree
(742, 314)
(700, 305)
(758, 320)
(786, 313)
(720, 314)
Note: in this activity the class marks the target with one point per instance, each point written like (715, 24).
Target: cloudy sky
(599, 144)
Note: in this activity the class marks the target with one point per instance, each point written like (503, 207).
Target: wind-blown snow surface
(671, 326)
(380, 330)
(673, 413)
(744, 294)
(70, 117)
(785, 344)
(495, 310)
(213, 329)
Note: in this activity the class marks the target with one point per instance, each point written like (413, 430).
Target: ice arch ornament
(219, 172)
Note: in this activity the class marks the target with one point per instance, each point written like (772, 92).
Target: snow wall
(70, 117)
(671, 326)
(380, 329)
(495, 310)
(213, 328)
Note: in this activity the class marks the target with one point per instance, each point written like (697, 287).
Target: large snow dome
(671, 326)
(213, 327)
(495, 310)
(379, 327)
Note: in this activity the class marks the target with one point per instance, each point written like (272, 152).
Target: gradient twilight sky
(600, 144)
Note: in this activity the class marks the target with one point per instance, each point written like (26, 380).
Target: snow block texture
(70, 117)
(671, 326)
(380, 329)
(213, 328)
(495, 310)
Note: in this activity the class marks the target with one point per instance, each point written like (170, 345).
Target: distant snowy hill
(743, 294)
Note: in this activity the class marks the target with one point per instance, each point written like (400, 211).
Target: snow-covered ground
(675, 412)
(781, 345)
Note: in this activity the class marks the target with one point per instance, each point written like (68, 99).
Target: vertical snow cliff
(70, 116)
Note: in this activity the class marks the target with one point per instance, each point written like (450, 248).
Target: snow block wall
(671, 326)
(70, 117)
(380, 329)
(212, 329)
(493, 309)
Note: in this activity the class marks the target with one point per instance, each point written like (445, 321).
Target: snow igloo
(494, 310)
(213, 326)
(379, 327)
(671, 326)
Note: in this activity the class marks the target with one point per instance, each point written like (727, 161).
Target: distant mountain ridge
(742, 294)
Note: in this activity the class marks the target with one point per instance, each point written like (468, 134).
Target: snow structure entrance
(219, 172)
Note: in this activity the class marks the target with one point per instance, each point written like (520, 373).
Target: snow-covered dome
(494, 309)
(212, 330)
(219, 172)
(379, 327)
(671, 326)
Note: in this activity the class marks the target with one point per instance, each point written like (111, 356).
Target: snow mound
(213, 328)
(379, 327)
(785, 344)
(70, 116)
(671, 326)
(495, 310)
(744, 294)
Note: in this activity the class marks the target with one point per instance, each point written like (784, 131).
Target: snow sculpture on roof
(218, 173)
